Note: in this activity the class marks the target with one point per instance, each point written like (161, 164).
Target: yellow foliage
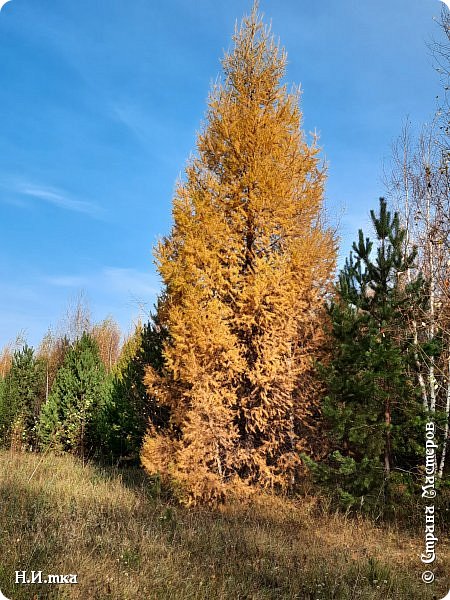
(107, 335)
(246, 268)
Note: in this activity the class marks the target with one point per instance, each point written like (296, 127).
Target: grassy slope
(124, 542)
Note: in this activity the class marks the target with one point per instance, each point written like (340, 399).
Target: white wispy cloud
(59, 198)
(132, 118)
(67, 281)
(142, 124)
(127, 293)
(131, 281)
(118, 280)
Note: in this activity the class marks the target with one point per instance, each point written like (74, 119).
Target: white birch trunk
(446, 428)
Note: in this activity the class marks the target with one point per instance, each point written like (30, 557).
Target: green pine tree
(372, 406)
(130, 409)
(21, 394)
(69, 418)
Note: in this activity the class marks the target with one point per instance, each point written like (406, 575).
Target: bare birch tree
(419, 185)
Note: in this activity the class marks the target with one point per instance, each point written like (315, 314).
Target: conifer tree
(246, 267)
(129, 408)
(22, 393)
(68, 419)
(373, 405)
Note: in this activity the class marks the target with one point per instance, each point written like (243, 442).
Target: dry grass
(115, 531)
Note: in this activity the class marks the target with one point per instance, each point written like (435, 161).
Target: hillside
(115, 530)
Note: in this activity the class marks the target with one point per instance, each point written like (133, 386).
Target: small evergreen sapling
(69, 418)
(21, 396)
(372, 404)
(130, 409)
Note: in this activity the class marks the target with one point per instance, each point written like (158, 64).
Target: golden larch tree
(245, 268)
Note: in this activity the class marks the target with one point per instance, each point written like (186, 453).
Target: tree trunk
(446, 429)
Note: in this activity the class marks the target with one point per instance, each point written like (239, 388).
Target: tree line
(81, 392)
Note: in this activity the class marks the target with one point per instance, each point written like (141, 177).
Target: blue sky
(100, 103)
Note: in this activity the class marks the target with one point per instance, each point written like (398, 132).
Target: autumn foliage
(245, 267)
